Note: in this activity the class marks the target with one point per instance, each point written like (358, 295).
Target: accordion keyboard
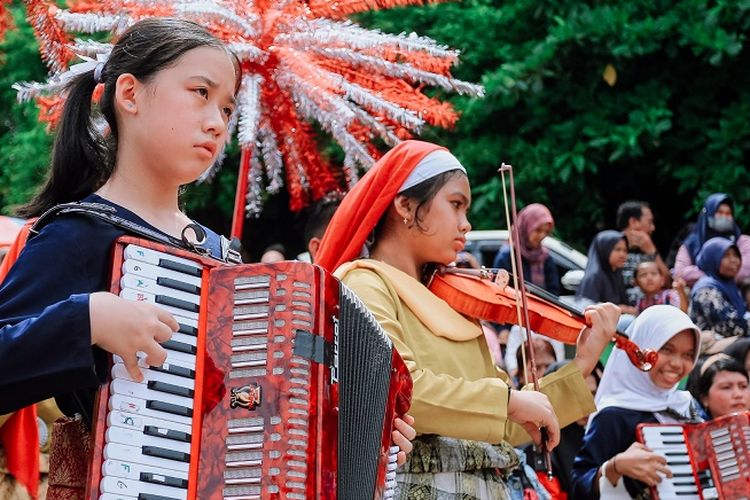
(147, 442)
(670, 442)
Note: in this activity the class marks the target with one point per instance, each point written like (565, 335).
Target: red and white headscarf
(402, 167)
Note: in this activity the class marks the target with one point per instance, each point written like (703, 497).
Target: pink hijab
(530, 218)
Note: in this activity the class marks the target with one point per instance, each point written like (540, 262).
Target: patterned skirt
(441, 468)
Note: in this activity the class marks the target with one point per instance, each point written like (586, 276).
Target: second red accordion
(279, 385)
(708, 460)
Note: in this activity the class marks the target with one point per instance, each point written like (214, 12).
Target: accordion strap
(108, 214)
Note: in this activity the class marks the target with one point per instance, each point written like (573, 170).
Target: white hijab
(625, 386)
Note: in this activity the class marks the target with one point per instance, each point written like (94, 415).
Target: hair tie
(98, 71)
(88, 64)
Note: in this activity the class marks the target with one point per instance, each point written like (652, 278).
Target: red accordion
(279, 385)
(708, 460)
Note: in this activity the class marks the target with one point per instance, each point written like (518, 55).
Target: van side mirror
(572, 279)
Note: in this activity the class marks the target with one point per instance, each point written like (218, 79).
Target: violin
(476, 293)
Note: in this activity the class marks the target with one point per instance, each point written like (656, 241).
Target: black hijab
(600, 283)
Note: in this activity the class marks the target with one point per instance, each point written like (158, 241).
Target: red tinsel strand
(6, 19)
(53, 41)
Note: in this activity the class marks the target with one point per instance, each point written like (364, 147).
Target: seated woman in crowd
(720, 384)
(602, 279)
(535, 223)
(611, 462)
(715, 220)
(716, 302)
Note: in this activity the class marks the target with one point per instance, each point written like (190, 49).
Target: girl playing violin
(611, 464)
(410, 210)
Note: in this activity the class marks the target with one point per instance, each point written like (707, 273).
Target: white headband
(433, 164)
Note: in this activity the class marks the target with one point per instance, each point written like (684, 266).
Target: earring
(406, 221)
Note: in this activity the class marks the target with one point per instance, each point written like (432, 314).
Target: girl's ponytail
(80, 163)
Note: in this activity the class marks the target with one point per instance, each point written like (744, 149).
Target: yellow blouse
(458, 391)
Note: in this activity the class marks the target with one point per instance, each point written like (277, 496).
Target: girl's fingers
(401, 441)
(400, 458)
(407, 430)
(167, 319)
(553, 437)
(534, 432)
(131, 364)
(408, 419)
(155, 354)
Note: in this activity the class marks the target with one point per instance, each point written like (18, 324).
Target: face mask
(721, 224)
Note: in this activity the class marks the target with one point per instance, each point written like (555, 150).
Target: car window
(485, 250)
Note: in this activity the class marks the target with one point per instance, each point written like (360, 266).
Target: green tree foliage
(672, 127)
(24, 143)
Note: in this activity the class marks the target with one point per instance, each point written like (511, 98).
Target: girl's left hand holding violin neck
(592, 340)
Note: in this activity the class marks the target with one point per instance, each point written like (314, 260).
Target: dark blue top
(551, 276)
(45, 336)
(612, 431)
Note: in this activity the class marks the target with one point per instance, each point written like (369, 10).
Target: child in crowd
(649, 279)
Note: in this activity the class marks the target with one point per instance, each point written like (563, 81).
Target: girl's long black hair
(82, 159)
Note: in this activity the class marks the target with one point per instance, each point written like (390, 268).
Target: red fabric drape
(19, 435)
(363, 206)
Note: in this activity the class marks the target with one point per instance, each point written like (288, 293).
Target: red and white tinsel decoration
(302, 63)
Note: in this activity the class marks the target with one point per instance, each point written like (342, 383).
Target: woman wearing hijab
(602, 279)
(535, 223)
(715, 220)
(716, 302)
(410, 210)
(611, 464)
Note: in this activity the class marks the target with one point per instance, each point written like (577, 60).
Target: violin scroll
(643, 359)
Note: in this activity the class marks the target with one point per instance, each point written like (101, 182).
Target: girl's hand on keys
(124, 327)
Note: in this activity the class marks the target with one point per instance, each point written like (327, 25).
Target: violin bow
(519, 286)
